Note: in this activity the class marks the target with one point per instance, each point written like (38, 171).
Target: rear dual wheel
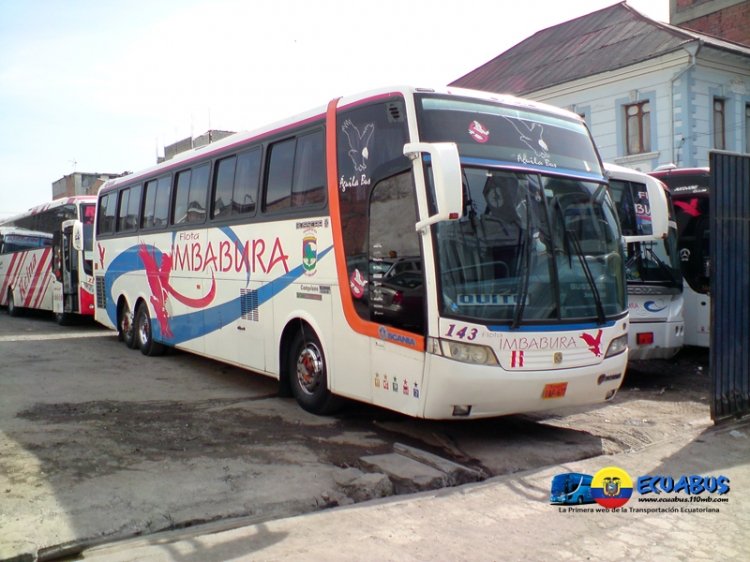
(144, 335)
(125, 327)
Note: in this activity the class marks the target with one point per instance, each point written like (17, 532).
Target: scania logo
(605, 378)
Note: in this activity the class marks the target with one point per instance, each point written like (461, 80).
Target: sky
(102, 87)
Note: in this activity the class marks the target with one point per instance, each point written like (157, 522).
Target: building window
(719, 137)
(638, 127)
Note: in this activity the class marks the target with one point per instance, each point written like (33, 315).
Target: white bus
(440, 253)
(57, 274)
(691, 195)
(652, 266)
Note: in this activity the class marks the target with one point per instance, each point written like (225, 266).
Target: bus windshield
(510, 136)
(531, 248)
(645, 262)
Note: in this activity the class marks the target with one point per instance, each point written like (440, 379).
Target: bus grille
(101, 294)
(249, 304)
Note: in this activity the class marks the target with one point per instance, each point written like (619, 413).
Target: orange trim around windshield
(355, 321)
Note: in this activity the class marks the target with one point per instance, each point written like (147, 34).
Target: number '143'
(464, 333)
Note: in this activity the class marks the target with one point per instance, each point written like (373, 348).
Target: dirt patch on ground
(129, 433)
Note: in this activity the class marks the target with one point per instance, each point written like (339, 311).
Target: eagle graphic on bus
(594, 342)
(158, 281)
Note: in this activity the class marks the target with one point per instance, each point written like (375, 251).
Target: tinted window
(309, 170)
(196, 208)
(280, 169)
(246, 182)
(127, 216)
(106, 217)
(179, 215)
(223, 187)
(156, 203)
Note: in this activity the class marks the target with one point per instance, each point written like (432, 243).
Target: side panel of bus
(25, 279)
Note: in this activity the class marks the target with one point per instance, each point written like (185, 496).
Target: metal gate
(729, 248)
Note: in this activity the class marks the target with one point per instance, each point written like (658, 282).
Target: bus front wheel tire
(308, 375)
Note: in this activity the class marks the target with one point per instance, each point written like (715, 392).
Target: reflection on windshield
(531, 248)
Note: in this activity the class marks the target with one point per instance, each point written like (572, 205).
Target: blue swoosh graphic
(651, 306)
(193, 324)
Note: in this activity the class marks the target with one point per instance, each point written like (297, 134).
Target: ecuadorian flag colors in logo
(611, 487)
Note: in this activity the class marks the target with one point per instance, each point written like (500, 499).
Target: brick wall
(726, 19)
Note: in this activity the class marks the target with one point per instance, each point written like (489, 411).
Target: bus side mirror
(446, 178)
(78, 236)
(658, 211)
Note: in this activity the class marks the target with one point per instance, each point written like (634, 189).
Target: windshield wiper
(526, 261)
(589, 277)
(663, 266)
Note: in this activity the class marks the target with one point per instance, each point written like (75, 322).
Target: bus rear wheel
(125, 329)
(144, 335)
(308, 375)
(13, 310)
(63, 319)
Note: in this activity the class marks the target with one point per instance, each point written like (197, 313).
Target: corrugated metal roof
(605, 40)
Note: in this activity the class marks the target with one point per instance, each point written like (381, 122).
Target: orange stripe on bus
(357, 323)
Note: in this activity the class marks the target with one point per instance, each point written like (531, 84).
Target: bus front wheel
(125, 329)
(308, 375)
(145, 336)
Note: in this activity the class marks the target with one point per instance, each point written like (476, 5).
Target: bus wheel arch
(125, 323)
(143, 333)
(305, 370)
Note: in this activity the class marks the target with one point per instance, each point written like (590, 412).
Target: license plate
(554, 390)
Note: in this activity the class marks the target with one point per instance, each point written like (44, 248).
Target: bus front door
(65, 292)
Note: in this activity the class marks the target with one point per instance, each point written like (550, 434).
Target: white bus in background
(50, 267)
(652, 266)
(690, 189)
(440, 253)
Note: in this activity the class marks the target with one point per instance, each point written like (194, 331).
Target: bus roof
(51, 205)
(319, 113)
(16, 231)
(684, 181)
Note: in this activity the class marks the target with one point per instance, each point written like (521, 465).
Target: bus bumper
(657, 340)
(459, 390)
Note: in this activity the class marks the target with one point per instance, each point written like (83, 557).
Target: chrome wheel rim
(310, 368)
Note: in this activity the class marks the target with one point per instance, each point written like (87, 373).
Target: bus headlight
(617, 346)
(464, 352)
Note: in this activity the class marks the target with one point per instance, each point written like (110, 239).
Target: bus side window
(149, 200)
(106, 220)
(223, 186)
(161, 204)
(127, 214)
(278, 194)
(196, 207)
(308, 186)
(182, 192)
(246, 181)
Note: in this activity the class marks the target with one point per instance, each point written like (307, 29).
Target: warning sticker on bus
(554, 390)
